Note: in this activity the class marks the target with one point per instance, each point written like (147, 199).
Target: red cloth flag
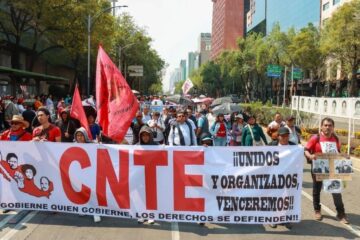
(77, 111)
(115, 102)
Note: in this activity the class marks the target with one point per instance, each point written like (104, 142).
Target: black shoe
(273, 225)
(288, 226)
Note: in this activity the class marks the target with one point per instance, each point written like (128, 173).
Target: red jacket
(20, 135)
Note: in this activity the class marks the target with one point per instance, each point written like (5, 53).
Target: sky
(174, 26)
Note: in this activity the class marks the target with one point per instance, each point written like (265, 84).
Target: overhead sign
(297, 73)
(274, 70)
(136, 70)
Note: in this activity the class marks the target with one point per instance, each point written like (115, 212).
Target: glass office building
(294, 13)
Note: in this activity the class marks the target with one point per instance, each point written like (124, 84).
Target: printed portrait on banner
(343, 107)
(333, 107)
(357, 108)
(302, 103)
(309, 104)
(325, 106)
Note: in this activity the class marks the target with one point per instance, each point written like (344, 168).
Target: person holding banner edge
(283, 140)
(325, 142)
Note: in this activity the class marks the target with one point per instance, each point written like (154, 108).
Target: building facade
(264, 14)
(193, 62)
(228, 24)
(328, 7)
(183, 69)
(204, 48)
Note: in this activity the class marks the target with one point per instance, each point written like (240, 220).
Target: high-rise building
(193, 62)
(204, 48)
(264, 14)
(175, 76)
(183, 69)
(228, 24)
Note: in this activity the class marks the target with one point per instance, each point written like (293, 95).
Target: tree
(305, 51)
(136, 50)
(340, 39)
(212, 81)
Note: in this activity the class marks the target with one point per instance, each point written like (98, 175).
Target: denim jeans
(219, 141)
(337, 198)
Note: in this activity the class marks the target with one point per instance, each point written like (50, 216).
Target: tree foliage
(58, 30)
(340, 39)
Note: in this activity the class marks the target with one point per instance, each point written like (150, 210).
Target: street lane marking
(175, 235)
(18, 226)
(332, 213)
(7, 219)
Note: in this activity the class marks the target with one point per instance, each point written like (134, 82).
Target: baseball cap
(283, 130)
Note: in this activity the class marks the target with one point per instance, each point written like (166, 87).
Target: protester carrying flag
(77, 111)
(116, 103)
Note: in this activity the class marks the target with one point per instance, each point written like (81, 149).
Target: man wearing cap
(283, 138)
(295, 131)
(17, 130)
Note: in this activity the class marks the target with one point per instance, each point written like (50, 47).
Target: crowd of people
(45, 120)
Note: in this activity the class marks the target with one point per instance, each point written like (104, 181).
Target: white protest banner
(243, 185)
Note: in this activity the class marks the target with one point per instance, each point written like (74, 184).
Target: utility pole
(113, 5)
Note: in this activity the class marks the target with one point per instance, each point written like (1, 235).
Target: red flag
(77, 111)
(115, 101)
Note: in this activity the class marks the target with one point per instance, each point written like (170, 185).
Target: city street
(46, 225)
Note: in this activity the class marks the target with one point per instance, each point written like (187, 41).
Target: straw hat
(20, 119)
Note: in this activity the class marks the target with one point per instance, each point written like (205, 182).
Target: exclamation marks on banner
(291, 202)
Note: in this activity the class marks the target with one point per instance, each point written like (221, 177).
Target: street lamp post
(91, 20)
(120, 53)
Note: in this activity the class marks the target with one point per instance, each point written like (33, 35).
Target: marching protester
(237, 129)
(17, 130)
(94, 127)
(295, 131)
(67, 126)
(10, 110)
(283, 140)
(219, 130)
(211, 117)
(46, 131)
(29, 115)
(157, 126)
(202, 125)
(325, 142)
(20, 105)
(253, 134)
(37, 103)
(146, 115)
(277, 121)
(164, 114)
(81, 136)
(169, 121)
(191, 116)
(136, 125)
(182, 132)
(273, 131)
(146, 138)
